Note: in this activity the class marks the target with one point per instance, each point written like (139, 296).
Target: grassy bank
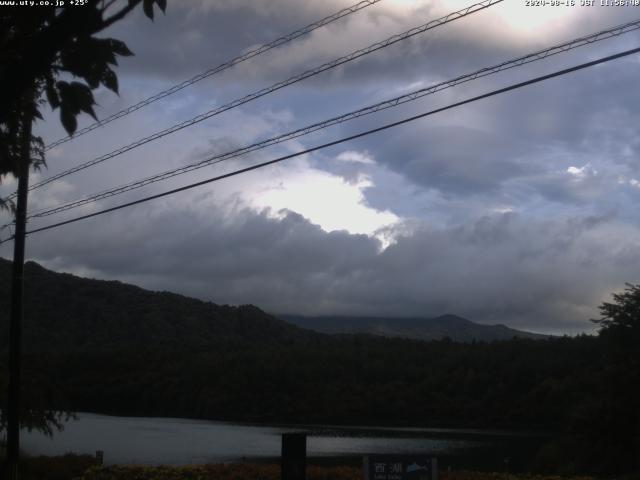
(83, 467)
(272, 472)
(64, 467)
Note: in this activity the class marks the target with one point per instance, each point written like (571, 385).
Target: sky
(519, 209)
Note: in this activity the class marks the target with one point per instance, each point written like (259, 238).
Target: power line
(277, 86)
(342, 140)
(399, 100)
(223, 66)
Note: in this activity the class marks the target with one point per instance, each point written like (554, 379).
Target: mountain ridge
(65, 311)
(416, 328)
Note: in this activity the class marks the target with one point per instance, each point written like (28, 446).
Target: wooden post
(294, 456)
(17, 293)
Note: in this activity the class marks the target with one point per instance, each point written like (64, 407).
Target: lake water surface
(154, 441)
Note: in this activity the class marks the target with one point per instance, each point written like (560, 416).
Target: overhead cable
(223, 66)
(339, 141)
(383, 105)
(277, 86)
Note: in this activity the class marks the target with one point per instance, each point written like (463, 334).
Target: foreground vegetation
(82, 467)
(272, 472)
(64, 467)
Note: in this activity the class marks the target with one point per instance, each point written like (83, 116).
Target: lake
(172, 441)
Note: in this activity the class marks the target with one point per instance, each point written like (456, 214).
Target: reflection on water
(155, 441)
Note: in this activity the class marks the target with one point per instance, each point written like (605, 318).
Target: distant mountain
(68, 313)
(452, 326)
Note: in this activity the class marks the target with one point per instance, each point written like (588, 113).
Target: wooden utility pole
(17, 287)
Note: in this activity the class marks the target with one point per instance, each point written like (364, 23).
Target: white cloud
(356, 157)
(326, 200)
(583, 172)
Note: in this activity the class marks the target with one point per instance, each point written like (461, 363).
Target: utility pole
(17, 294)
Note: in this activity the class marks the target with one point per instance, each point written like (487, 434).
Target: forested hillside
(68, 313)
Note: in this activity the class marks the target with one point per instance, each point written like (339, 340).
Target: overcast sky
(520, 209)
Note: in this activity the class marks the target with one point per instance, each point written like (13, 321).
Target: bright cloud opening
(356, 157)
(582, 172)
(328, 201)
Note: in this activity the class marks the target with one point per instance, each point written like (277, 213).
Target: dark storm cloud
(195, 35)
(526, 139)
(198, 34)
(456, 160)
(537, 274)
